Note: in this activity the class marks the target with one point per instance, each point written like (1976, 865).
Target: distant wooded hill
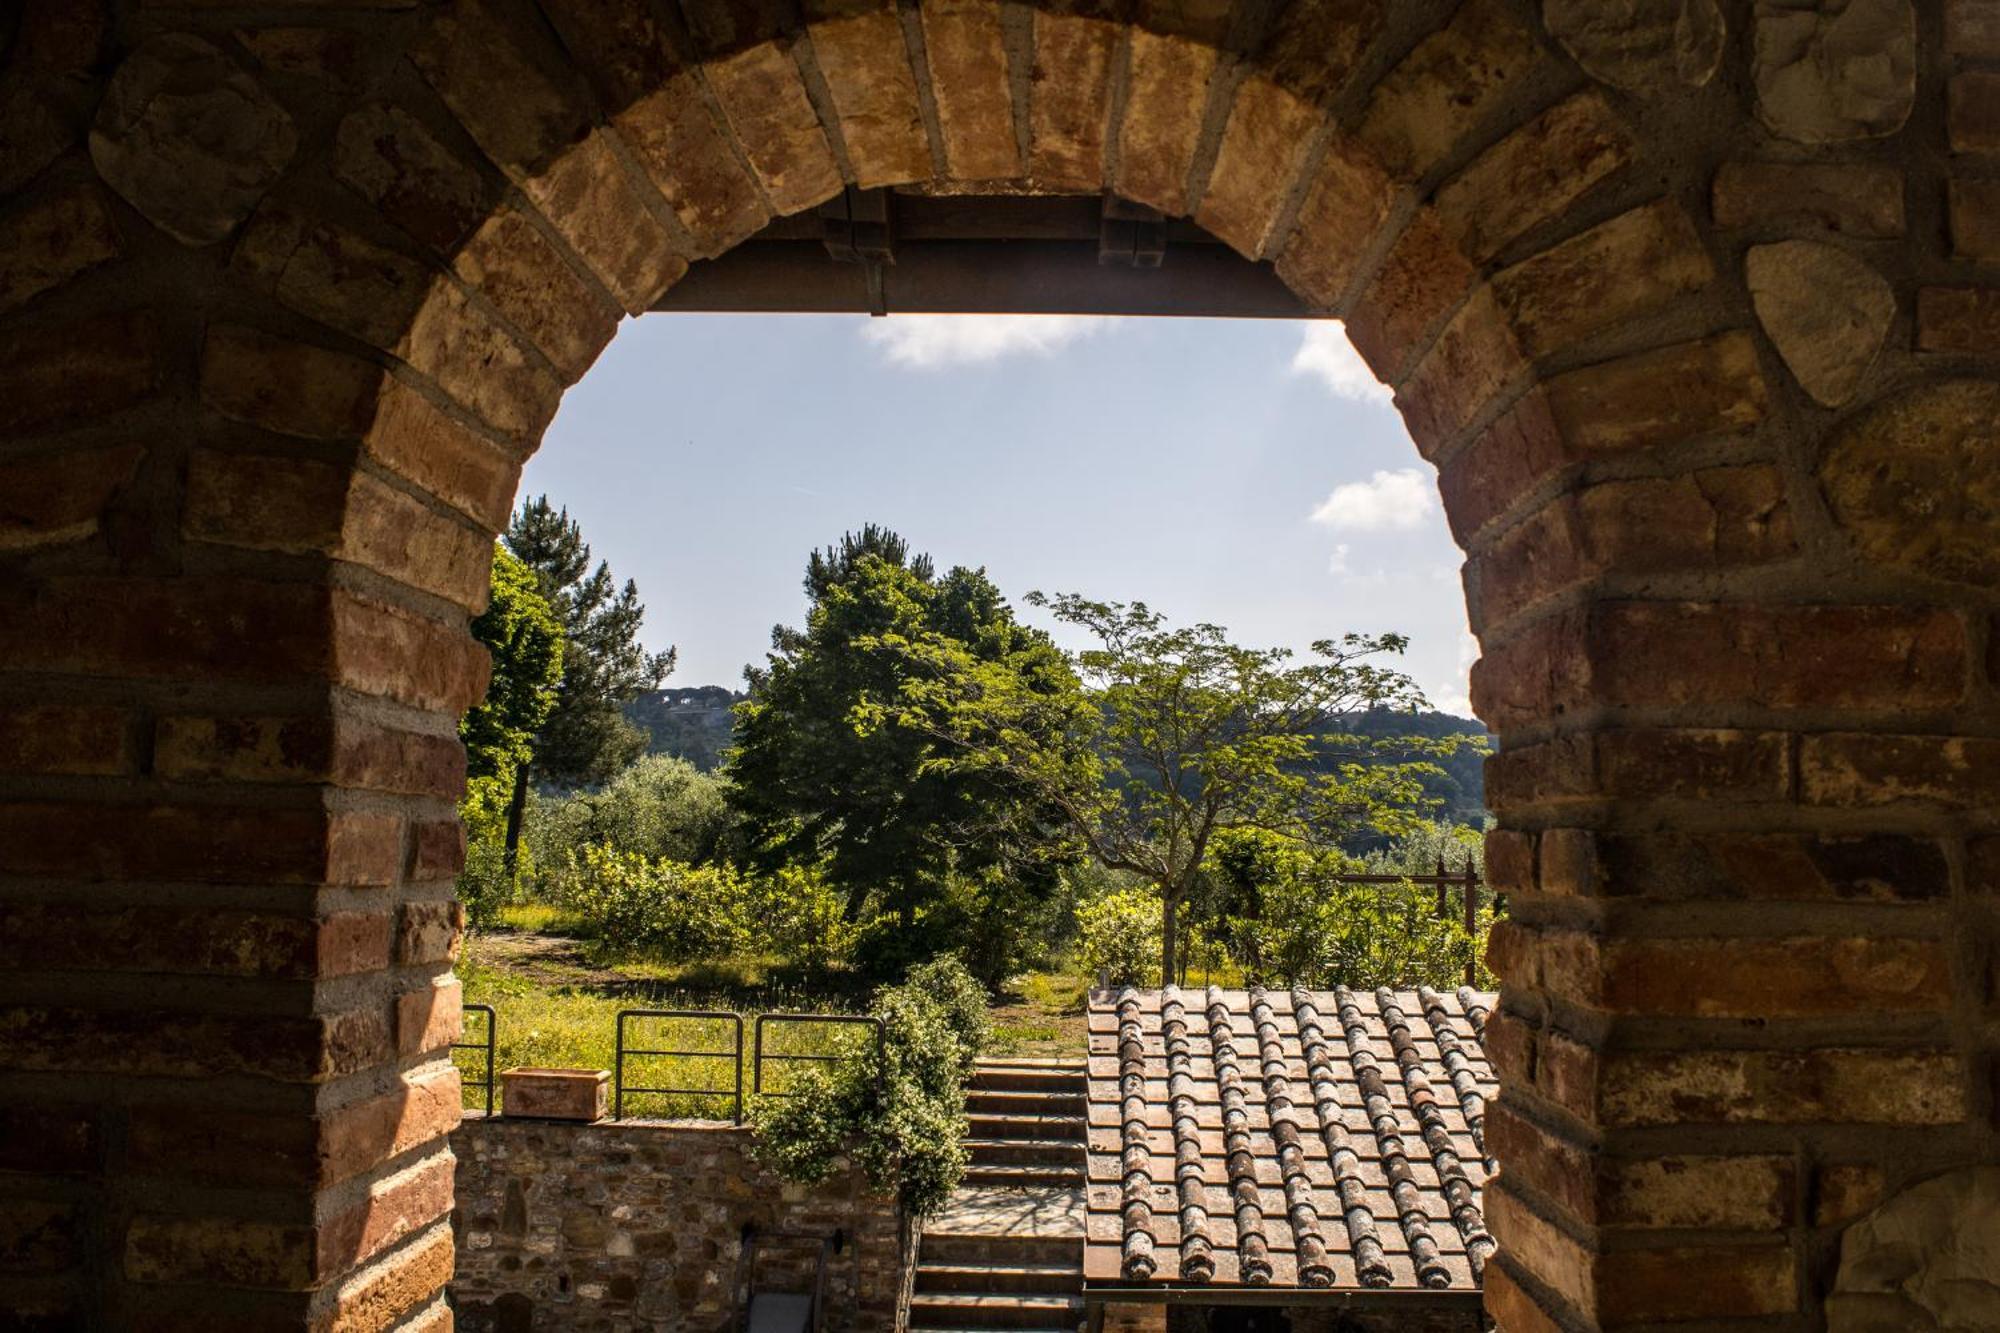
(696, 725)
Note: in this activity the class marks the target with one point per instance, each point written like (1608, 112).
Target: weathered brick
(287, 386)
(1863, 770)
(189, 940)
(1500, 465)
(679, 141)
(1972, 27)
(967, 54)
(1313, 46)
(395, 533)
(1962, 321)
(587, 197)
(1534, 174)
(519, 271)
(1167, 94)
(163, 1043)
(1511, 1305)
(428, 932)
(330, 274)
(208, 844)
(1974, 207)
(1470, 365)
(1262, 151)
(416, 440)
(233, 1251)
(329, 56)
(1347, 202)
(217, 629)
(437, 850)
(1619, 270)
(1422, 278)
(1446, 86)
(1714, 518)
(81, 371)
(764, 97)
(1693, 389)
(46, 241)
(479, 363)
(379, 649)
(391, 159)
(48, 1140)
(398, 1206)
(874, 89)
(1758, 1278)
(1542, 556)
(428, 1019)
(1844, 1191)
(1069, 110)
(341, 750)
(421, 1108)
(266, 502)
(38, 1236)
(507, 84)
(1642, 765)
(54, 499)
(1510, 861)
(382, 1294)
(1739, 1193)
(1540, 1246)
(1972, 112)
(1856, 198)
(1828, 1084)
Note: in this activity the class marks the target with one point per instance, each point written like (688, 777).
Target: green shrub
(1119, 934)
(897, 1112)
(675, 912)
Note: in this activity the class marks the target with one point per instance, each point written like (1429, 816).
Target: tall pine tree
(586, 739)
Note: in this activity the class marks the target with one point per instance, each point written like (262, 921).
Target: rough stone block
(1972, 112)
(391, 159)
(78, 372)
(58, 498)
(46, 241)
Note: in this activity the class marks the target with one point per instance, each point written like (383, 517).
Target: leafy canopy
(1165, 737)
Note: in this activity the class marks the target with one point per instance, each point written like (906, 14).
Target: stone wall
(615, 1226)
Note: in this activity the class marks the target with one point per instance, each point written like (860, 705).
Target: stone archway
(1684, 302)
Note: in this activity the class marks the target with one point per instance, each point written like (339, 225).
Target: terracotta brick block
(193, 941)
(1542, 1160)
(1511, 1306)
(233, 1251)
(1540, 1246)
(266, 502)
(1736, 1280)
(397, 534)
(386, 651)
(1167, 92)
(342, 750)
(1972, 27)
(1446, 86)
(413, 438)
(478, 363)
(1714, 518)
(686, 152)
(1963, 321)
(428, 1019)
(49, 240)
(520, 271)
(401, 1205)
(1660, 764)
(171, 1044)
(48, 1140)
(385, 1292)
(54, 499)
(1542, 556)
(1974, 207)
(1470, 365)
(587, 197)
(1421, 280)
(1069, 110)
(205, 843)
(764, 98)
(390, 158)
(287, 386)
(1792, 977)
(1510, 861)
(428, 932)
(967, 54)
(1856, 198)
(1534, 174)
(420, 1109)
(1972, 112)
(1737, 1193)
(1511, 1047)
(83, 740)
(1501, 465)
(1346, 203)
(556, 1094)
(1862, 770)
(1828, 1084)
(1261, 154)
(868, 72)
(1709, 387)
(1617, 271)
(79, 372)
(437, 850)
(1776, 867)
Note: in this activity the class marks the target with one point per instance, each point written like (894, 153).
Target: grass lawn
(557, 997)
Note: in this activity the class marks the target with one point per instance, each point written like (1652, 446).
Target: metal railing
(761, 1055)
(491, 1025)
(734, 1055)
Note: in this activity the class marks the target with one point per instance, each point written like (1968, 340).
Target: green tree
(660, 807)
(893, 829)
(1170, 737)
(521, 632)
(586, 738)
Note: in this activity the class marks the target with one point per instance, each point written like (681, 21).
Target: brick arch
(264, 400)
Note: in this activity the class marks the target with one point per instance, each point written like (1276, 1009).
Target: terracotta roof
(1319, 1139)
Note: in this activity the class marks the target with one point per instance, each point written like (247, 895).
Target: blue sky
(1249, 473)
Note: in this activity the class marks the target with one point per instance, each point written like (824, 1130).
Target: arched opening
(287, 304)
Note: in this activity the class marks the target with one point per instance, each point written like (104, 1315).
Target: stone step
(976, 1310)
(1006, 1278)
(949, 1249)
(1028, 1152)
(1029, 1076)
(1023, 1174)
(1024, 1125)
(995, 1101)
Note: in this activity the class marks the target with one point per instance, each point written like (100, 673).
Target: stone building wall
(639, 1225)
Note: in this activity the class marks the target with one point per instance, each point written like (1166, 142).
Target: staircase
(1007, 1252)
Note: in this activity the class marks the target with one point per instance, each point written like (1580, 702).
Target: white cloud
(1387, 502)
(1325, 354)
(1453, 694)
(932, 342)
